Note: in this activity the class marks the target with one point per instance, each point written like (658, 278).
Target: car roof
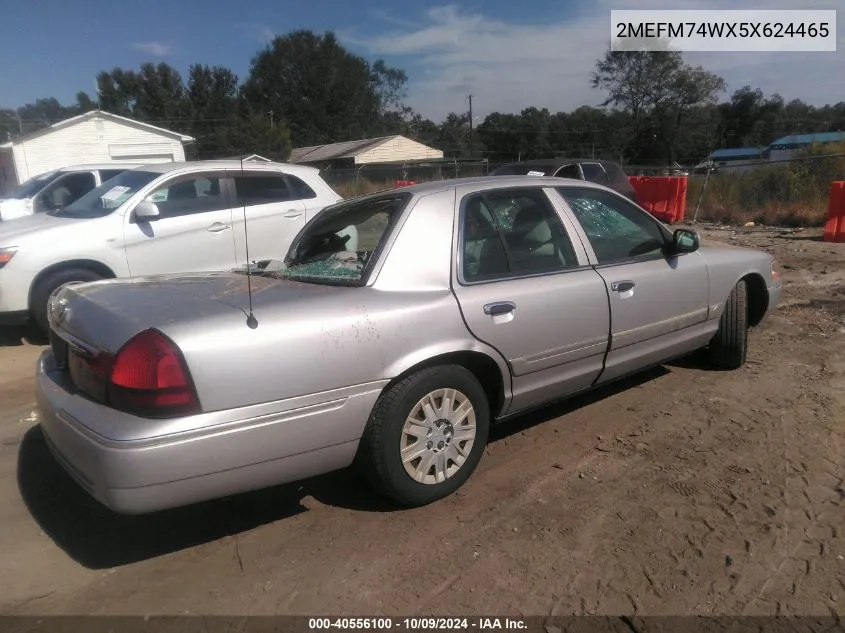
(483, 183)
(205, 165)
(88, 166)
(558, 162)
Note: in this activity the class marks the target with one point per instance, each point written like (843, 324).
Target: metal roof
(736, 152)
(333, 151)
(797, 140)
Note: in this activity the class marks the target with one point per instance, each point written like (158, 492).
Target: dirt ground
(684, 491)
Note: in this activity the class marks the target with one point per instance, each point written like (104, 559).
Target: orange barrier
(405, 183)
(834, 228)
(665, 197)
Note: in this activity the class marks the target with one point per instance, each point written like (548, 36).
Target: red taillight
(149, 378)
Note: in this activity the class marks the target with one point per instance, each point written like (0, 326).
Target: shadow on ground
(802, 238)
(97, 538)
(15, 335)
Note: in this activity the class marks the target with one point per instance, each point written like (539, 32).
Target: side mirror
(146, 211)
(684, 241)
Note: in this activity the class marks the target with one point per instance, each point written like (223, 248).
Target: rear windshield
(338, 246)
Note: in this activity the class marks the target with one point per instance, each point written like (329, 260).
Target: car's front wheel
(426, 435)
(729, 347)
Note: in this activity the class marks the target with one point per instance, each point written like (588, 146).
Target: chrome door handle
(499, 307)
(217, 227)
(622, 286)
(293, 213)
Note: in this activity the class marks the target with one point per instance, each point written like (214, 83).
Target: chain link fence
(789, 193)
(377, 177)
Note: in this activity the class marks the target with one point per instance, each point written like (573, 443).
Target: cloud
(507, 66)
(387, 16)
(157, 49)
(257, 31)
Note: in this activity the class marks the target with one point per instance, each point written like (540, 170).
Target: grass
(789, 194)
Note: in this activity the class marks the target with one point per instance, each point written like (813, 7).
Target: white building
(93, 137)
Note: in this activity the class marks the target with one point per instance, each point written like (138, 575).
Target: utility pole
(469, 98)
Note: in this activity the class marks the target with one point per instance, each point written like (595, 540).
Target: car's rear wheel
(45, 287)
(426, 435)
(729, 347)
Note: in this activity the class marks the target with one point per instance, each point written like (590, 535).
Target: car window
(186, 196)
(617, 230)
(569, 171)
(253, 190)
(65, 190)
(594, 173)
(512, 232)
(339, 245)
(301, 191)
(32, 186)
(106, 174)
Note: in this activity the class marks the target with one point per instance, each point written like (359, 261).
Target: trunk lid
(92, 321)
(106, 314)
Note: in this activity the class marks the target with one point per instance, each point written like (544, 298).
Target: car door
(193, 232)
(526, 288)
(658, 304)
(268, 212)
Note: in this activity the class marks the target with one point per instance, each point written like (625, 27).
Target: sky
(509, 54)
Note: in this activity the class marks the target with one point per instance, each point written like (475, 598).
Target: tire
(380, 451)
(729, 348)
(45, 287)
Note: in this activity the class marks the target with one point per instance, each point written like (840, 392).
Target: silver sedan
(465, 302)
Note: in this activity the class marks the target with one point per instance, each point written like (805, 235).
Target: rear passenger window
(569, 171)
(594, 173)
(513, 232)
(255, 190)
(301, 191)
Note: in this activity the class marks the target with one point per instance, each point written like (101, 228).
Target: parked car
(164, 218)
(56, 189)
(164, 391)
(601, 172)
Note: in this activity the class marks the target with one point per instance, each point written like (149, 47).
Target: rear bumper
(166, 471)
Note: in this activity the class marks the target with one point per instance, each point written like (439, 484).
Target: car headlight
(6, 254)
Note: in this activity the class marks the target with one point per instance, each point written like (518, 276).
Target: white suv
(157, 219)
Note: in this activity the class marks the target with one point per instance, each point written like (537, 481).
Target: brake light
(149, 378)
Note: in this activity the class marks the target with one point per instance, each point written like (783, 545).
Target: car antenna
(251, 321)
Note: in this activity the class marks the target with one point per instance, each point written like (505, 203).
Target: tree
(657, 90)
(325, 93)
(153, 93)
